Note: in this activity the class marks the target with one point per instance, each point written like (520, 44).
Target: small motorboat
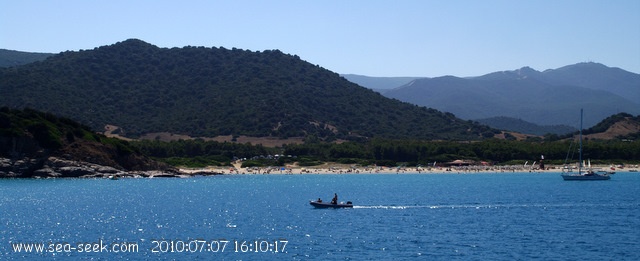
(330, 205)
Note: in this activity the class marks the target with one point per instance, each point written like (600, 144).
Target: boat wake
(430, 206)
(490, 206)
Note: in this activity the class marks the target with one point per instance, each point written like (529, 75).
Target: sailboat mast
(589, 174)
(580, 157)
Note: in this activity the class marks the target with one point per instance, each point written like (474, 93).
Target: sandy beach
(347, 169)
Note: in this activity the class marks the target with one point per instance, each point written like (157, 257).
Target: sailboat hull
(585, 177)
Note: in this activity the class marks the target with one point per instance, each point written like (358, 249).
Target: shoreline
(54, 167)
(385, 170)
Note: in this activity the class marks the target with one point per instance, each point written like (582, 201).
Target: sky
(419, 38)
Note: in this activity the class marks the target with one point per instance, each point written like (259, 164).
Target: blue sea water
(515, 216)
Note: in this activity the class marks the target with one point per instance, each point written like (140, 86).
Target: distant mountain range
(518, 125)
(379, 84)
(211, 92)
(523, 100)
(9, 58)
(551, 97)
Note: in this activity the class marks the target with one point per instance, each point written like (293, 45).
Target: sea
(474, 216)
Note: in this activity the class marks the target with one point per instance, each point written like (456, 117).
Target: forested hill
(620, 126)
(208, 92)
(32, 137)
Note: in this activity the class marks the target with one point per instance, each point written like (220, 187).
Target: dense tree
(207, 92)
(393, 152)
(51, 133)
(36, 135)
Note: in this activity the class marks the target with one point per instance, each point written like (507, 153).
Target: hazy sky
(376, 38)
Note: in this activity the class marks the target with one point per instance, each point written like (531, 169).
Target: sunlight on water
(476, 206)
(484, 217)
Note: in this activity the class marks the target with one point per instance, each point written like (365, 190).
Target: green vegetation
(62, 135)
(46, 129)
(197, 161)
(198, 153)
(207, 92)
(386, 152)
(609, 121)
(18, 128)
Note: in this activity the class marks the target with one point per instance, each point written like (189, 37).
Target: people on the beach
(335, 199)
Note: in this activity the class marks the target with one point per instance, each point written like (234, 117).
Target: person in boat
(319, 200)
(335, 199)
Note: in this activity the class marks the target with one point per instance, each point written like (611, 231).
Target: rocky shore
(54, 167)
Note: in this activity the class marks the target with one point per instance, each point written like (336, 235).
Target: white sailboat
(584, 173)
